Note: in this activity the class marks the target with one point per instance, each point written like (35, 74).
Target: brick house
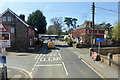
(21, 34)
(83, 33)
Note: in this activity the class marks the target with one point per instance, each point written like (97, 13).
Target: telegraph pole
(93, 11)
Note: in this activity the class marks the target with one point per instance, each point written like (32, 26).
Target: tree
(51, 30)
(115, 32)
(58, 24)
(74, 22)
(108, 28)
(37, 20)
(68, 22)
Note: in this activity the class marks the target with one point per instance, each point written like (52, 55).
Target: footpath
(103, 69)
(14, 73)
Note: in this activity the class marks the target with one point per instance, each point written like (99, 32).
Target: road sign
(2, 28)
(94, 55)
(3, 59)
(99, 39)
(4, 40)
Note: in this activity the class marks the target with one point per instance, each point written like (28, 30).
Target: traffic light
(4, 36)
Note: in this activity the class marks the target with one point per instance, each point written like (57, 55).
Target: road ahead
(61, 62)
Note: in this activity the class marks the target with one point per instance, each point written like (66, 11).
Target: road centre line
(65, 68)
(50, 65)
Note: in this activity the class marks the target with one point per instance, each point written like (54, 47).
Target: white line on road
(23, 71)
(59, 54)
(50, 65)
(35, 63)
(65, 68)
(36, 56)
(16, 76)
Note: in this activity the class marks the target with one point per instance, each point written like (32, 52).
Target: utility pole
(93, 10)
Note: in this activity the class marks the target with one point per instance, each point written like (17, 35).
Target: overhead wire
(86, 15)
(106, 9)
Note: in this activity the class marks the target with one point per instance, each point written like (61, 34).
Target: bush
(79, 45)
(74, 42)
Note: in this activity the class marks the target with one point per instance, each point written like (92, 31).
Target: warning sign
(4, 40)
(2, 28)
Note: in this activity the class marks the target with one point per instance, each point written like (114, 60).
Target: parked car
(50, 44)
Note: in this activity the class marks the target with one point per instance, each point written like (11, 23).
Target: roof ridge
(15, 16)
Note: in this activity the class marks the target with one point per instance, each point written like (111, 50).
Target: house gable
(15, 16)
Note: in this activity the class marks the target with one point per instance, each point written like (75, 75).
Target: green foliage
(116, 32)
(70, 22)
(37, 20)
(66, 39)
(74, 42)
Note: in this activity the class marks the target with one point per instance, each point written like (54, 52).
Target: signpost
(4, 43)
(95, 55)
(99, 40)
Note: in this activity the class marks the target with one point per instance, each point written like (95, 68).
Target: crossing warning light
(4, 36)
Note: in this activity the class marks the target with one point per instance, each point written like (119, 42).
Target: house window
(4, 18)
(9, 18)
(12, 30)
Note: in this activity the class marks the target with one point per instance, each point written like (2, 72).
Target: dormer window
(9, 19)
(4, 18)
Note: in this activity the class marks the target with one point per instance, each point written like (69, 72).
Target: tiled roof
(15, 16)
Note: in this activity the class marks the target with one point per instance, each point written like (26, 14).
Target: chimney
(22, 16)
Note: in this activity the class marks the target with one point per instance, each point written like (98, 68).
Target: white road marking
(76, 53)
(50, 54)
(65, 68)
(36, 56)
(51, 59)
(42, 59)
(50, 65)
(35, 63)
(28, 75)
(55, 55)
(16, 76)
(59, 54)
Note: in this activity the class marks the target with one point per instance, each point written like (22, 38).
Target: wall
(19, 38)
(104, 54)
(105, 51)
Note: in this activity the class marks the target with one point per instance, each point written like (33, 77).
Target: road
(61, 62)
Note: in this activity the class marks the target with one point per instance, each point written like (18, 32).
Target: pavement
(14, 73)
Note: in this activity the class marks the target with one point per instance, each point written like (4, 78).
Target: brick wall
(19, 37)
